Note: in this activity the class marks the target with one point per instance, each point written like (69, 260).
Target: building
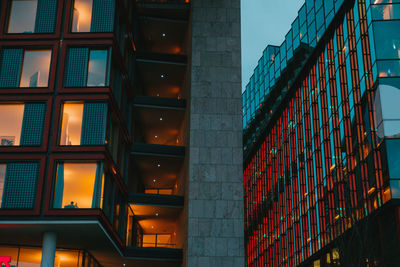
(120, 133)
(321, 147)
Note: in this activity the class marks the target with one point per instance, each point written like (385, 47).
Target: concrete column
(48, 249)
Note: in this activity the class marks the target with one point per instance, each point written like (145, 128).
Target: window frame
(4, 15)
(46, 127)
(53, 46)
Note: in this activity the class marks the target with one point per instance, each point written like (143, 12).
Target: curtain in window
(102, 16)
(10, 67)
(20, 185)
(94, 124)
(76, 67)
(46, 16)
(58, 196)
(97, 186)
(32, 124)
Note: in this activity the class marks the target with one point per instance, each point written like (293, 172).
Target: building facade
(108, 141)
(321, 147)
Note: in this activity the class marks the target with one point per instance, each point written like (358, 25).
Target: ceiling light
(154, 180)
(156, 214)
(161, 118)
(156, 136)
(162, 76)
(158, 165)
(152, 227)
(164, 34)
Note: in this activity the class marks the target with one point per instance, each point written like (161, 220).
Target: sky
(264, 22)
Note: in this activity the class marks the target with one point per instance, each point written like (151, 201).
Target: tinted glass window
(387, 38)
(22, 16)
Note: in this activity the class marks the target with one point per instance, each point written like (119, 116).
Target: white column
(48, 249)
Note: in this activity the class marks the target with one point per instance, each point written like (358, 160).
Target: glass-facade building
(321, 146)
(95, 132)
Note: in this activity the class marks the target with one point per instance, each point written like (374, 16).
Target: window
(32, 16)
(24, 68)
(387, 37)
(22, 124)
(35, 68)
(18, 183)
(83, 124)
(93, 16)
(97, 68)
(87, 68)
(78, 185)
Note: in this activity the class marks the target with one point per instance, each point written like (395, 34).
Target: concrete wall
(215, 182)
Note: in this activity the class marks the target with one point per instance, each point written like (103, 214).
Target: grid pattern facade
(322, 166)
(307, 28)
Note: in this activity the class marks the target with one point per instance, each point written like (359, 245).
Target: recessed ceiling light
(156, 214)
(162, 75)
(154, 180)
(156, 136)
(164, 34)
(158, 165)
(161, 118)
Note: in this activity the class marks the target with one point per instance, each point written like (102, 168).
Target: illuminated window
(93, 16)
(86, 67)
(24, 68)
(78, 185)
(11, 124)
(82, 15)
(32, 16)
(21, 124)
(18, 182)
(35, 68)
(83, 124)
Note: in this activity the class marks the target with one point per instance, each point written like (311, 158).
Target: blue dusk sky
(264, 22)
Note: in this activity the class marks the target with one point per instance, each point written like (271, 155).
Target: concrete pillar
(48, 249)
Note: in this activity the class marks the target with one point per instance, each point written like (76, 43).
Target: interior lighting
(158, 165)
(163, 34)
(156, 214)
(161, 118)
(162, 76)
(154, 180)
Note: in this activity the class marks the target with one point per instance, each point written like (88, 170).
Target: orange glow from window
(79, 179)
(11, 117)
(2, 179)
(82, 16)
(71, 126)
(35, 68)
(386, 194)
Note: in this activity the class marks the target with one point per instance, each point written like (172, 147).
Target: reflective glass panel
(36, 68)
(82, 15)
(75, 185)
(393, 157)
(71, 125)
(389, 68)
(97, 68)
(22, 16)
(11, 124)
(385, 12)
(387, 39)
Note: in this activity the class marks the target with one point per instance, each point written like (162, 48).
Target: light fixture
(154, 180)
(163, 34)
(158, 165)
(156, 136)
(161, 118)
(162, 76)
(156, 214)
(152, 227)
